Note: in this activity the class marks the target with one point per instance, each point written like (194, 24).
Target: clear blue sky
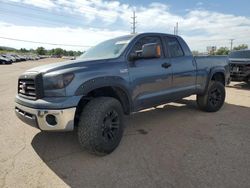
(236, 7)
(202, 22)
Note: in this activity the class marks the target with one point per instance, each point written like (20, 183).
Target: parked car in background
(7, 56)
(240, 65)
(56, 56)
(18, 58)
(4, 60)
(69, 57)
(12, 58)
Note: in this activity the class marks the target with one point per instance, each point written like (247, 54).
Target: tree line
(224, 50)
(43, 51)
(57, 52)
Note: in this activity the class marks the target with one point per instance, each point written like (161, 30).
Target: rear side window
(174, 47)
(146, 40)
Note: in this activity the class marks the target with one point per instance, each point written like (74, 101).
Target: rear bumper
(46, 119)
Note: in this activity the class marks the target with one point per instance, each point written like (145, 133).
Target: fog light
(51, 119)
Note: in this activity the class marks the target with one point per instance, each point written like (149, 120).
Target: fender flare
(213, 71)
(105, 81)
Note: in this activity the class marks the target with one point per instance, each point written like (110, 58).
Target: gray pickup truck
(118, 76)
(239, 62)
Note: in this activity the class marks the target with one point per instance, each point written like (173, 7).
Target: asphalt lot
(174, 145)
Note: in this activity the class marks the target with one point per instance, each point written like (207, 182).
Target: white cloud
(58, 35)
(199, 27)
(48, 4)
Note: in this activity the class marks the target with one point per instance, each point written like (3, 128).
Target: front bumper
(240, 72)
(45, 119)
(240, 78)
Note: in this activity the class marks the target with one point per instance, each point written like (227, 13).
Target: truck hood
(239, 60)
(66, 66)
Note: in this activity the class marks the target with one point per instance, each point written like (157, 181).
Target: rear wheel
(100, 128)
(213, 99)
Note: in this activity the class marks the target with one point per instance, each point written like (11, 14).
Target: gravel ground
(174, 145)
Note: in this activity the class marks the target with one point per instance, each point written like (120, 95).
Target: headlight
(53, 82)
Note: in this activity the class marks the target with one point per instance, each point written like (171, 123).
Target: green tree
(222, 51)
(78, 53)
(41, 51)
(241, 47)
(58, 52)
(51, 52)
(23, 50)
(54, 52)
(70, 53)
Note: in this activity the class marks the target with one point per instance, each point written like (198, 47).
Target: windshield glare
(240, 54)
(108, 49)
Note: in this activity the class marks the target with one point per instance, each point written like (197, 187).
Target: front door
(150, 78)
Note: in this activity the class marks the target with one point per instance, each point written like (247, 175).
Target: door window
(174, 47)
(146, 40)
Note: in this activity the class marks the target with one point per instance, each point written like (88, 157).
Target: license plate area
(235, 69)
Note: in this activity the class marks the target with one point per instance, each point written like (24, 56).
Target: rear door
(149, 78)
(183, 67)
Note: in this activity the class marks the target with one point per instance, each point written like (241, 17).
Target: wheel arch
(104, 87)
(216, 74)
(219, 76)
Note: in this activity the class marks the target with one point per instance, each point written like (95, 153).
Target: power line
(37, 42)
(37, 13)
(42, 19)
(133, 23)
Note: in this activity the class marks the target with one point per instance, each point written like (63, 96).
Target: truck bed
(205, 64)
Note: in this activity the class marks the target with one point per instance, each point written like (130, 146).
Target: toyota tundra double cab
(115, 78)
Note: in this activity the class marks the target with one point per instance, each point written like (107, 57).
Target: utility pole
(133, 23)
(231, 42)
(176, 29)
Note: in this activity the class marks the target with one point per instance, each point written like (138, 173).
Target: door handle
(166, 65)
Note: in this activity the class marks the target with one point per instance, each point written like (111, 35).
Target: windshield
(108, 49)
(240, 54)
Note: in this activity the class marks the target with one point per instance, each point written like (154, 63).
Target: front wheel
(213, 99)
(100, 128)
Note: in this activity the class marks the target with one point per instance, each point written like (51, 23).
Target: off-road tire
(213, 99)
(96, 123)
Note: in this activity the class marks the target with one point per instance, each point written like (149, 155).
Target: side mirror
(133, 57)
(151, 50)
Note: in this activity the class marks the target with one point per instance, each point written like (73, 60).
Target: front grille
(238, 69)
(30, 86)
(27, 88)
